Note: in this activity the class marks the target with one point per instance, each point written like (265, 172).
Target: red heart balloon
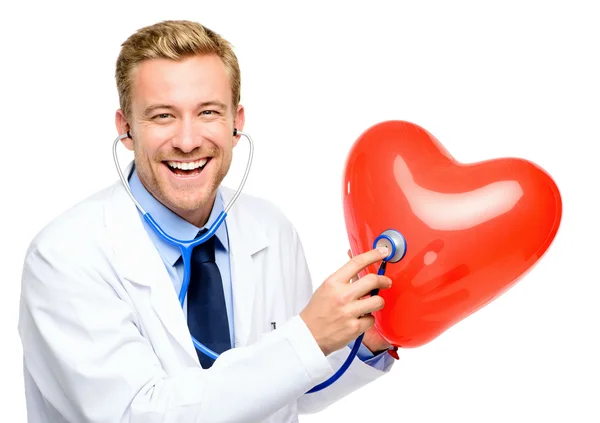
(471, 230)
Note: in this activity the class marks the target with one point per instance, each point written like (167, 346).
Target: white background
(511, 78)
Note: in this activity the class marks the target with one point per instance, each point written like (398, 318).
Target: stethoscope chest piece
(395, 243)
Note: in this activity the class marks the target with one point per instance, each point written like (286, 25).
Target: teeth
(188, 165)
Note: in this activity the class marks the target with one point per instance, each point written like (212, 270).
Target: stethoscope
(390, 238)
(187, 246)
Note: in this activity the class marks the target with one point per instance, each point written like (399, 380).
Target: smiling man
(182, 115)
(104, 336)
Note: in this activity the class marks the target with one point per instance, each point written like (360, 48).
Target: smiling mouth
(188, 168)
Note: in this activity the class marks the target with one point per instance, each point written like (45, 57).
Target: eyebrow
(215, 103)
(148, 111)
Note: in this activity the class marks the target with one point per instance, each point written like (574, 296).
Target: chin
(190, 204)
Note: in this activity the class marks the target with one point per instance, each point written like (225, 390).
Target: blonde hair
(173, 40)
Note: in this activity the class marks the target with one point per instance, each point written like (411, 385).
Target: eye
(162, 116)
(208, 112)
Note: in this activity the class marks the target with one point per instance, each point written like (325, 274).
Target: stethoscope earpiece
(129, 135)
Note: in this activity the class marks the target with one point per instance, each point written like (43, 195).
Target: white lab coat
(105, 340)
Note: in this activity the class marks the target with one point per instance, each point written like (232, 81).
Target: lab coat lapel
(246, 238)
(139, 262)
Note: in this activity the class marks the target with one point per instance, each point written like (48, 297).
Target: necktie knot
(205, 252)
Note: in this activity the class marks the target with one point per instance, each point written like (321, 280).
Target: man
(104, 336)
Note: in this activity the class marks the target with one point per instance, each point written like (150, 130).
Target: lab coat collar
(247, 237)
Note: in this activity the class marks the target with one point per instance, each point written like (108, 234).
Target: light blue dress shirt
(179, 228)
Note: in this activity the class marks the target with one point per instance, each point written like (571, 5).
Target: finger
(366, 306)
(368, 283)
(355, 278)
(358, 263)
(365, 323)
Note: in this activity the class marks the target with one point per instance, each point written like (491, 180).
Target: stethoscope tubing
(186, 247)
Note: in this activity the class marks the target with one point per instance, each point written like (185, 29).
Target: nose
(187, 136)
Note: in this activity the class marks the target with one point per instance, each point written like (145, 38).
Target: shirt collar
(173, 224)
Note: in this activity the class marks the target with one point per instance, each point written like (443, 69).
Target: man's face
(182, 128)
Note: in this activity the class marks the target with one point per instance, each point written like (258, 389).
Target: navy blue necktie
(207, 312)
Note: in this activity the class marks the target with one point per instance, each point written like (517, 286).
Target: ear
(238, 123)
(122, 128)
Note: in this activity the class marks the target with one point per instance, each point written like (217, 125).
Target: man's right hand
(338, 311)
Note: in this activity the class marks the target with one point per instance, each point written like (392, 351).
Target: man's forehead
(209, 68)
(203, 77)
